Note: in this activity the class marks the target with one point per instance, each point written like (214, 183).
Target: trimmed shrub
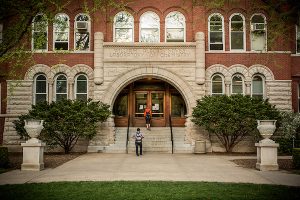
(296, 158)
(4, 157)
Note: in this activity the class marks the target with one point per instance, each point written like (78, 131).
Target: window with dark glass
(40, 89)
(217, 85)
(61, 32)
(237, 85)
(149, 27)
(81, 88)
(216, 32)
(121, 105)
(82, 32)
(298, 39)
(39, 32)
(237, 32)
(178, 108)
(123, 27)
(175, 27)
(61, 87)
(257, 87)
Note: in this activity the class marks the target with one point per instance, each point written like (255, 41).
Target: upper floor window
(123, 27)
(217, 85)
(40, 32)
(82, 32)
(149, 27)
(257, 86)
(258, 33)
(40, 89)
(237, 84)
(61, 32)
(1, 33)
(297, 39)
(175, 27)
(237, 33)
(216, 32)
(61, 87)
(81, 87)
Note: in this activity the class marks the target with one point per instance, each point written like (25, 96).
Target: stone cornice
(151, 45)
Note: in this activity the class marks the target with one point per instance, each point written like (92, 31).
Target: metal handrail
(171, 128)
(127, 138)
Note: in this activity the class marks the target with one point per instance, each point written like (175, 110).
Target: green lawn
(121, 190)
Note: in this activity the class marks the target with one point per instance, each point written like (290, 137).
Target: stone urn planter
(266, 128)
(33, 127)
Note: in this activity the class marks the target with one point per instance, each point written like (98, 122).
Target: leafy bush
(296, 158)
(285, 145)
(65, 121)
(231, 118)
(290, 124)
(3, 157)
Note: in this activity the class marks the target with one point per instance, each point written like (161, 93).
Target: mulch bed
(51, 160)
(284, 164)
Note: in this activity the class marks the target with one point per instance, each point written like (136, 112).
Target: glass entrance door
(157, 104)
(141, 100)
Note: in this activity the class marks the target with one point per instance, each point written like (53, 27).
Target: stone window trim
(115, 27)
(244, 32)
(242, 84)
(34, 87)
(184, 27)
(213, 82)
(32, 34)
(87, 85)
(209, 31)
(140, 24)
(88, 30)
(68, 32)
(266, 32)
(263, 85)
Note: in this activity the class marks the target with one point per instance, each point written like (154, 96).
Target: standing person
(138, 142)
(147, 115)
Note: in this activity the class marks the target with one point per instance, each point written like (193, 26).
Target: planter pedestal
(200, 146)
(33, 156)
(267, 155)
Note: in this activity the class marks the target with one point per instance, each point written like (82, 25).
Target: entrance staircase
(156, 140)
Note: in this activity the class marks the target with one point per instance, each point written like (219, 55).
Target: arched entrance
(163, 99)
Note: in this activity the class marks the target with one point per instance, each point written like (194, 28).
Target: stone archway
(156, 72)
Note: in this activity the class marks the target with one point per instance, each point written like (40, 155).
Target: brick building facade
(162, 54)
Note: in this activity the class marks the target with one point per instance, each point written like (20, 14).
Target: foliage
(65, 121)
(290, 124)
(158, 190)
(232, 118)
(3, 157)
(286, 145)
(296, 158)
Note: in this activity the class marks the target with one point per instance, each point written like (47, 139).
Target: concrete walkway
(165, 167)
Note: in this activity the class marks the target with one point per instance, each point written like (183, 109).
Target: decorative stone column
(51, 82)
(33, 149)
(98, 58)
(266, 148)
(248, 87)
(200, 58)
(227, 87)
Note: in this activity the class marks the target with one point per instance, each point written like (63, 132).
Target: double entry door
(155, 100)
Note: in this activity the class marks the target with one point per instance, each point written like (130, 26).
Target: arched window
(258, 86)
(123, 27)
(258, 33)
(237, 84)
(82, 32)
(149, 27)
(237, 32)
(81, 91)
(40, 89)
(61, 87)
(40, 32)
(216, 32)
(61, 32)
(217, 85)
(175, 27)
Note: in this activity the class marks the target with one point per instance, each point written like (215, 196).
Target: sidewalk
(165, 167)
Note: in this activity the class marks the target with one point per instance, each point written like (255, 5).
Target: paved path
(166, 167)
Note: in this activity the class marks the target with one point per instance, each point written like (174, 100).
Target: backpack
(138, 137)
(147, 115)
